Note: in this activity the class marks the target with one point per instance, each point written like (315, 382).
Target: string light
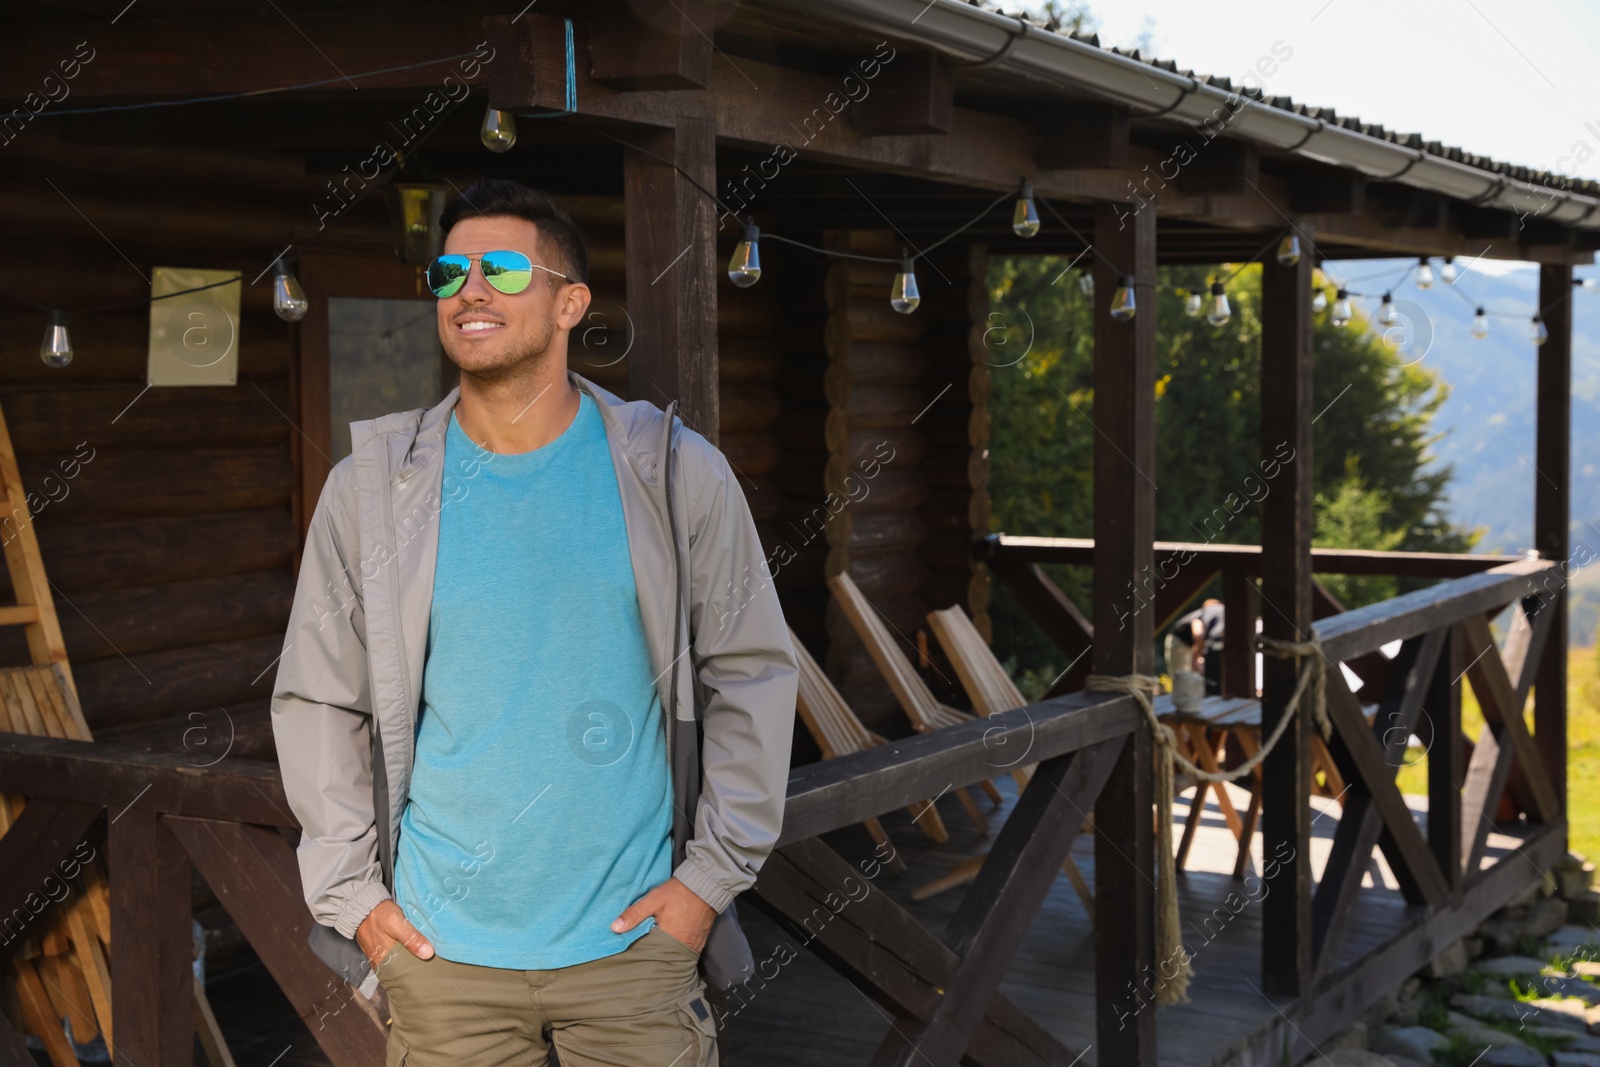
(1319, 300)
(1387, 315)
(1447, 270)
(1219, 313)
(1424, 273)
(56, 348)
(1025, 217)
(1480, 324)
(1342, 311)
(1122, 303)
(1194, 304)
(1086, 282)
(1289, 250)
(744, 269)
(499, 130)
(1540, 332)
(904, 296)
(289, 301)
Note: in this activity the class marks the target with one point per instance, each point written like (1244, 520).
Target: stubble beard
(525, 362)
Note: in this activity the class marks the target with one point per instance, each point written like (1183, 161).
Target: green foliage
(1370, 443)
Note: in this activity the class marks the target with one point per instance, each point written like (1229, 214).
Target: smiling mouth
(479, 326)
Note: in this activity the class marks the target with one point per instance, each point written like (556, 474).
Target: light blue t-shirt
(540, 804)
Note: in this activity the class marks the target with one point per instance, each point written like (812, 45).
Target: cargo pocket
(700, 1022)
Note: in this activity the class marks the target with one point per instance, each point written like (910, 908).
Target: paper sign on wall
(194, 338)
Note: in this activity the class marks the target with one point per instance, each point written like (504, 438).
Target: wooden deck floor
(809, 1016)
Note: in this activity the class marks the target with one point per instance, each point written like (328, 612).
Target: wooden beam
(112, 776)
(914, 94)
(1287, 524)
(1003, 901)
(671, 240)
(152, 976)
(252, 870)
(1124, 530)
(833, 910)
(1083, 138)
(1240, 610)
(1503, 701)
(650, 44)
(1222, 167)
(1327, 190)
(41, 839)
(1552, 506)
(837, 792)
(1487, 224)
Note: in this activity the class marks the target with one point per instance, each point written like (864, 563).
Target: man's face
(490, 334)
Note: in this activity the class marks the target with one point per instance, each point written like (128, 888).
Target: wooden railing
(1444, 636)
(158, 816)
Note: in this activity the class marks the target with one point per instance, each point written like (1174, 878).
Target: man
(1194, 643)
(533, 716)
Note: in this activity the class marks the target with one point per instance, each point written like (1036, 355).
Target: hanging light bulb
(1539, 333)
(1447, 270)
(904, 297)
(744, 269)
(1122, 304)
(1219, 312)
(1319, 300)
(1387, 315)
(1424, 273)
(56, 348)
(1480, 324)
(1193, 304)
(1086, 282)
(289, 301)
(1025, 217)
(1586, 283)
(1289, 250)
(499, 130)
(1342, 312)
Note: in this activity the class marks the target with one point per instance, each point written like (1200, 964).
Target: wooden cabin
(227, 136)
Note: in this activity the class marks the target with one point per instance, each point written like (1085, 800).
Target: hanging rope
(1169, 945)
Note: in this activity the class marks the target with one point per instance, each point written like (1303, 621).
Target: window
(383, 356)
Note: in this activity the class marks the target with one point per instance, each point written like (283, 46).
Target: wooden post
(152, 976)
(1239, 633)
(1286, 527)
(1446, 762)
(1124, 555)
(1551, 506)
(670, 231)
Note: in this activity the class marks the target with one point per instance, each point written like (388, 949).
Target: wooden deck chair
(992, 692)
(838, 732)
(915, 698)
(62, 970)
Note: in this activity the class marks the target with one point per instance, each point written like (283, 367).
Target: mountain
(1487, 424)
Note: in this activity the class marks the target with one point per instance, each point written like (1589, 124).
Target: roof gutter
(975, 35)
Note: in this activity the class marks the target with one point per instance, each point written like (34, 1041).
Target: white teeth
(480, 325)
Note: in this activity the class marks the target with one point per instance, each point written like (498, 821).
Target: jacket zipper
(677, 596)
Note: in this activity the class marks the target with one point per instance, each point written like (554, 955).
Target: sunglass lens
(447, 274)
(509, 272)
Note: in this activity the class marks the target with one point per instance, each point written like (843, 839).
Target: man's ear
(575, 300)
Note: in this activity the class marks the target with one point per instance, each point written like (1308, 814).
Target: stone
(1573, 882)
(1353, 1036)
(1502, 936)
(1418, 1042)
(1520, 1013)
(1509, 966)
(1452, 961)
(1584, 908)
(1587, 968)
(1480, 1034)
(1575, 1059)
(1545, 917)
(1512, 1056)
(1573, 940)
(1571, 1040)
(1474, 946)
(1526, 896)
(1382, 1010)
(1350, 1057)
(1569, 987)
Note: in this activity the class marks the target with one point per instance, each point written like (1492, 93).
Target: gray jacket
(349, 684)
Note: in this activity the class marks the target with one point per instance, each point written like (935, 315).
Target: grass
(1583, 748)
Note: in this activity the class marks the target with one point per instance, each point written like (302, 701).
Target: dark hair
(558, 234)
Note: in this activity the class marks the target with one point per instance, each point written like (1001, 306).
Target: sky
(1512, 79)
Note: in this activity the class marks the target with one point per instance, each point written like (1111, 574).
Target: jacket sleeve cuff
(358, 906)
(703, 885)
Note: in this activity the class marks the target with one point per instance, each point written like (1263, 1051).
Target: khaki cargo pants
(643, 1007)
